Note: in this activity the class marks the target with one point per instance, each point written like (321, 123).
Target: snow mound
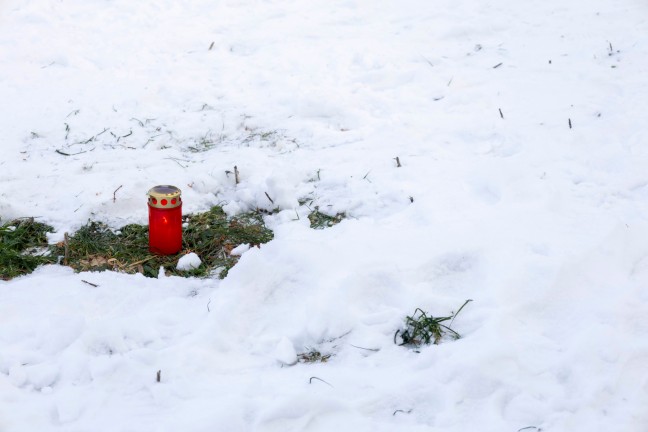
(189, 261)
(240, 250)
(285, 352)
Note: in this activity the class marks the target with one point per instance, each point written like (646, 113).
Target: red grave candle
(165, 220)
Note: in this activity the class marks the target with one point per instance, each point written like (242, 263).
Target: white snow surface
(189, 261)
(240, 249)
(520, 128)
(285, 352)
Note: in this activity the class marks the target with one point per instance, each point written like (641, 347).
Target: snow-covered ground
(521, 130)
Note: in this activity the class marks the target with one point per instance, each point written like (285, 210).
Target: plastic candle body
(165, 220)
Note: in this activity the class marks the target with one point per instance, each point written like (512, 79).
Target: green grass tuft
(319, 220)
(421, 329)
(21, 246)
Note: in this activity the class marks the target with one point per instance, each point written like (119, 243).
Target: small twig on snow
(338, 337)
(266, 194)
(89, 283)
(211, 46)
(237, 179)
(310, 381)
(67, 249)
(138, 121)
(402, 411)
(398, 164)
(158, 376)
(367, 349)
(115, 192)
(501, 113)
(72, 154)
(102, 132)
(176, 161)
(497, 65)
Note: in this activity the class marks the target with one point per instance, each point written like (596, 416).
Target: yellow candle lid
(164, 196)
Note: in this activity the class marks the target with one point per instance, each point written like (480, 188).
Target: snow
(497, 200)
(240, 249)
(189, 261)
(285, 352)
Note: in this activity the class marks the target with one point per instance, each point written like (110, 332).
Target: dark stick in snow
(67, 249)
(114, 193)
(310, 381)
(266, 194)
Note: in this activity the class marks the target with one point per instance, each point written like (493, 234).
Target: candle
(165, 220)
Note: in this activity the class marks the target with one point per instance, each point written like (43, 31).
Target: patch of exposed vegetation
(423, 329)
(319, 220)
(23, 244)
(205, 143)
(211, 235)
(313, 356)
(95, 247)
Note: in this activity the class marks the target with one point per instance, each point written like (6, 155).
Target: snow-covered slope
(520, 130)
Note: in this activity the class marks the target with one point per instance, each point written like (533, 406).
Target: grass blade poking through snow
(421, 328)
